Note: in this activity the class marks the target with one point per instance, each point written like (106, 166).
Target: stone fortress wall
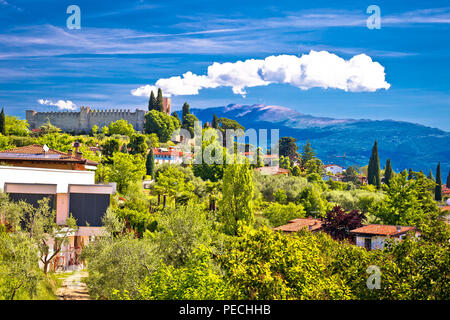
(86, 118)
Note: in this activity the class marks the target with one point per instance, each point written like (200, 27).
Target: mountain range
(408, 145)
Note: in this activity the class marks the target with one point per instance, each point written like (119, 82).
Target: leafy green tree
(350, 175)
(161, 124)
(230, 124)
(237, 204)
(171, 182)
(280, 196)
(373, 177)
(118, 263)
(181, 231)
(94, 130)
(19, 271)
(213, 171)
(48, 128)
(259, 158)
(15, 126)
(125, 169)
(110, 146)
(58, 141)
(314, 166)
(285, 163)
(279, 214)
(176, 116)
(388, 172)
(197, 280)
(307, 153)
(288, 148)
(49, 236)
(407, 202)
(188, 123)
(152, 104)
(122, 127)
(138, 144)
(311, 199)
(2, 122)
(266, 265)
(150, 164)
(438, 188)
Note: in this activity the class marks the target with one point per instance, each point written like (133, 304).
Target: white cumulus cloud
(61, 104)
(320, 69)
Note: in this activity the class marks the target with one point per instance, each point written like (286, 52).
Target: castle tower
(166, 105)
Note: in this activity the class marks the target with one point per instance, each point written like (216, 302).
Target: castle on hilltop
(83, 120)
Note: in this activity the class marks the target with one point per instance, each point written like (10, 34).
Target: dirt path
(73, 288)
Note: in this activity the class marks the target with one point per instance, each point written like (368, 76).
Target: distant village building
(169, 155)
(374, 236)
(333, 169)
(35, 172)
(86, 118)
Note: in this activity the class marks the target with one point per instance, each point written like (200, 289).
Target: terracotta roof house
(37, 156)
(170, 155)
(296, 225)
(373, 236)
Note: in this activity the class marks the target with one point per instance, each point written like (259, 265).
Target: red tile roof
(298, 224)
(158, 152)
(35, 152)
(385, 230)
(446, 208)
(445, 190)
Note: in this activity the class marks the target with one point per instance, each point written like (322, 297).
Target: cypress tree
(185, 111)
(152, 102)
(150, 164)
(160, 101)
(438, 190)
(2, 122)
(430, 175)
(388, 172)
(448, 179)
(215, 122)
(374, 167)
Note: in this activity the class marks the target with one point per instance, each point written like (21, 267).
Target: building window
(88, 209)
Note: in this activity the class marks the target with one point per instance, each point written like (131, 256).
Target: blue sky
(122, 46)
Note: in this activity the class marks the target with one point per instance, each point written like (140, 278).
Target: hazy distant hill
(408, 145)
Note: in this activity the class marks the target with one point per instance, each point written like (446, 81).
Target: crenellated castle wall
(85, 119)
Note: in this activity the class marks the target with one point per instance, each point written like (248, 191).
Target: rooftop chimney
(399, 228)
(77, 154)
(76, 145)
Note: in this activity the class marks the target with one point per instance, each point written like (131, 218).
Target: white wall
(62, 178)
